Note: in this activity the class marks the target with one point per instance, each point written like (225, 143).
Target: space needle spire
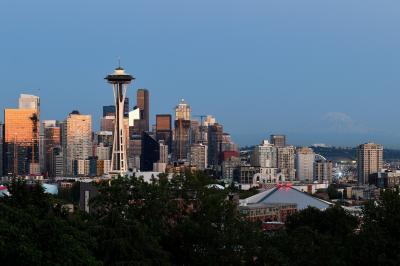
(119, 81)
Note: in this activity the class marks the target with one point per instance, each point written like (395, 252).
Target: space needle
(119, 160)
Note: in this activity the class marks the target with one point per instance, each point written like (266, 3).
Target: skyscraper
(164, 129)
(77, 140)
(183, 111)
(215, 138)
(150, 152)
(109, 110)
(305, 164)
(56, 162)
(135, 152)
(119, 160)
(195, 134)
(52, 139)
(369, 161)
(21, 139)
(143, 103)
(278, 140)
(107, 123)
(126, 107)
(182, 140)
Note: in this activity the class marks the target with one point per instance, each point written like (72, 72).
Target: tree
(333, 193)
(35, 231)
(379, 240)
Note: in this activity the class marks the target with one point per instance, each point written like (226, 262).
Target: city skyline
(267, 65)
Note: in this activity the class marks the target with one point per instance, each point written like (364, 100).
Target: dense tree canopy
(35, 230)
(183, 222)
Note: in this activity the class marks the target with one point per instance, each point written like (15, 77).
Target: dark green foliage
(333, 193)
(379, 240)
(182, 222)
(35, 231)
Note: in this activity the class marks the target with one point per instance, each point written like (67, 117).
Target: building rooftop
(287, 195)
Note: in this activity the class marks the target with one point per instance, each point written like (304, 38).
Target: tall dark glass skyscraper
(108, 110)
(126, 107)
(215, 134)
(150, 152)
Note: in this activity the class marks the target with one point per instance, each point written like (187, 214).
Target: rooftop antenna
(119, 62)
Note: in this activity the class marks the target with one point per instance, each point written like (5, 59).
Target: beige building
(305, 158)
(286, 162)
(198, 156)
(264, 155)
(77, 140)
(103, 152)
(369, 161)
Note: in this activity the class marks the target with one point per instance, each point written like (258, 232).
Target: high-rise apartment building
(305, 158)
(77, 140)
(265, 155)
(143, 103)
(286, 162)
(369, 161)
(199, 156)
(323, 171)
(278, 141)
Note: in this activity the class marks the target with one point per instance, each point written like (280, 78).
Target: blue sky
(319, 71)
